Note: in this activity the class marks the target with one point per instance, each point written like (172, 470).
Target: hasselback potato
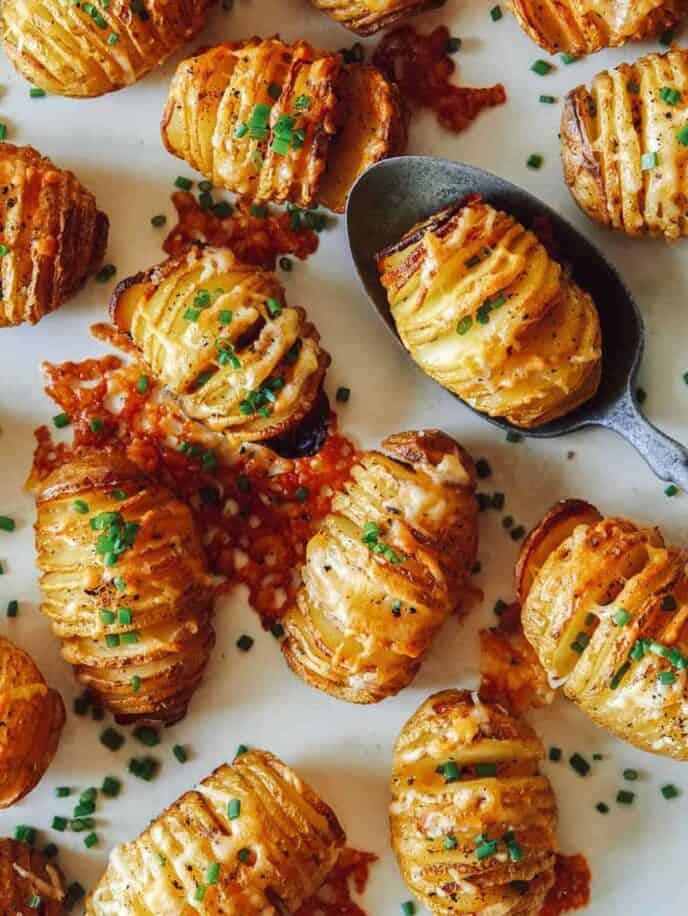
(584, 26)
(87, 49)
(485, 311)
(386, 568)
(281, 122)
(28, 877)
(31, 720)
(604, 605)
(625, 146)
(251, 838)
(124, 584)
(368, 16)
(219, 335)
(52, 235)
(473, 821)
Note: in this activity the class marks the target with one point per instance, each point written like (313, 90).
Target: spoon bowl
(395, 194)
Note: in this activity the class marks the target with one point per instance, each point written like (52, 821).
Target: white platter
(112, 143)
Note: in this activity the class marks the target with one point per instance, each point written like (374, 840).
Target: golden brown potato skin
(485, 311)
(64, 50)
(31, 720)
(218, 370)
(435, 817)
(365, 616)
(585, 26)
(55, 234)
(215, 94)
(577, 570)
(607, 130)
(369, 16)
(292, 837)
(166, 586)
(25, 871)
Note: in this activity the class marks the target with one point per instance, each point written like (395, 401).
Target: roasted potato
(252, 838)
(604, 605)
(625, 146)
(386, 568)
(83, 49)
(31, 720)
(219, 334)
(368, 16)
(53, 236)
(27, 874)
(485, 311)
(125, 585)
(473, 821)
(584, 26)
(259, 117)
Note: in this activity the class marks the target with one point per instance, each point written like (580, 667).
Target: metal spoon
(393, 195)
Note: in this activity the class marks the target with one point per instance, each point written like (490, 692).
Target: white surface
(112, 143)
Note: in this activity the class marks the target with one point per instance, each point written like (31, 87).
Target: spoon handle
(667, 457)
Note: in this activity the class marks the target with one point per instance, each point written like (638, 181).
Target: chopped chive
(107, 616)
(222, 209)
(185, 184)
(579, 764)
(541, 67)
(36, 93)
(233, 808)
(497, 500)
(286, 264)
(7, 523)
(408, 908)
(343, 394)
(669, 791)
(671, 490)
(106, 272)
(135, 683)
(669, 95)
(555, 754)
(514, 437)
(112, 640)
(624, 797)
(3, 131)
(80, 506)
(244, 643)
(517, 533)
(487, 849)
(483, 469)
(12, 608)
(96, 425)
(682, 135)
(191, 314)
(112, 38)
(449, 770)
(147, 735)
(84, 809)
(213, 873)
(666, 678)
(63, 791)
(179, 752)
(241, 750)
(630, 775)
(244, 854)
(569, 59)
(548, 99)
(113, 740)
(111, 787)
(59, 823)
(621, 617)
(25, 834)
(602, 808)
(142, 384)
(145, 768)
(464, 325)
(91, 840)
(225, 317)
(277, 630)
(496, 13)
(453, 45)
(35, 902)
(485, 769)
(619, 676)
(649, 161)
(61, 420)
(450, 842)
(535, 161)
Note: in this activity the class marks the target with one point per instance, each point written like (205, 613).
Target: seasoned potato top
(81, 49)
(584, 26)
(31, 720)
(486, 312)
(625, 146)
(473, 822)
(251, 838)
(605, 605)
(369, 16)
(385, 569)
(219, 334)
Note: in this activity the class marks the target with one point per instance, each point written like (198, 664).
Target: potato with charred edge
(385, 570)
(484, 310)
(585, 26)
(281, 122)
(252, 835)
(219, 335)
(83, 50)
(53, 236)
(125, 585)
(625, 146)
(25, 873)
(368, 16)
(605, 605)
(31, 720)
(473, 821)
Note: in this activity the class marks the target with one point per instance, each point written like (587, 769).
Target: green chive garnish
(111, 787)
(185, 184)
(12, 608)
(624, 797)
(6, 523)
(579, 764)
(179, 752)
(649, 161)
(61, 420)
(621, 617)
(669, 791)
(343, 394)
(541, 67)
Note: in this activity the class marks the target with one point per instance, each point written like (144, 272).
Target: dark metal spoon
(394, 194)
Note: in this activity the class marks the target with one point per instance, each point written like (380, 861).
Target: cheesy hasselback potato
(87, 49)
(485, 311)
(27, 874)
(251, 838)
(386, 568)
(473, 821)
(31, 720)
(604, 605)
(584, 26)
(219, 335)
(125, 585)
(52, 235)
(625, 146)
(369, 16)
(281, 122)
